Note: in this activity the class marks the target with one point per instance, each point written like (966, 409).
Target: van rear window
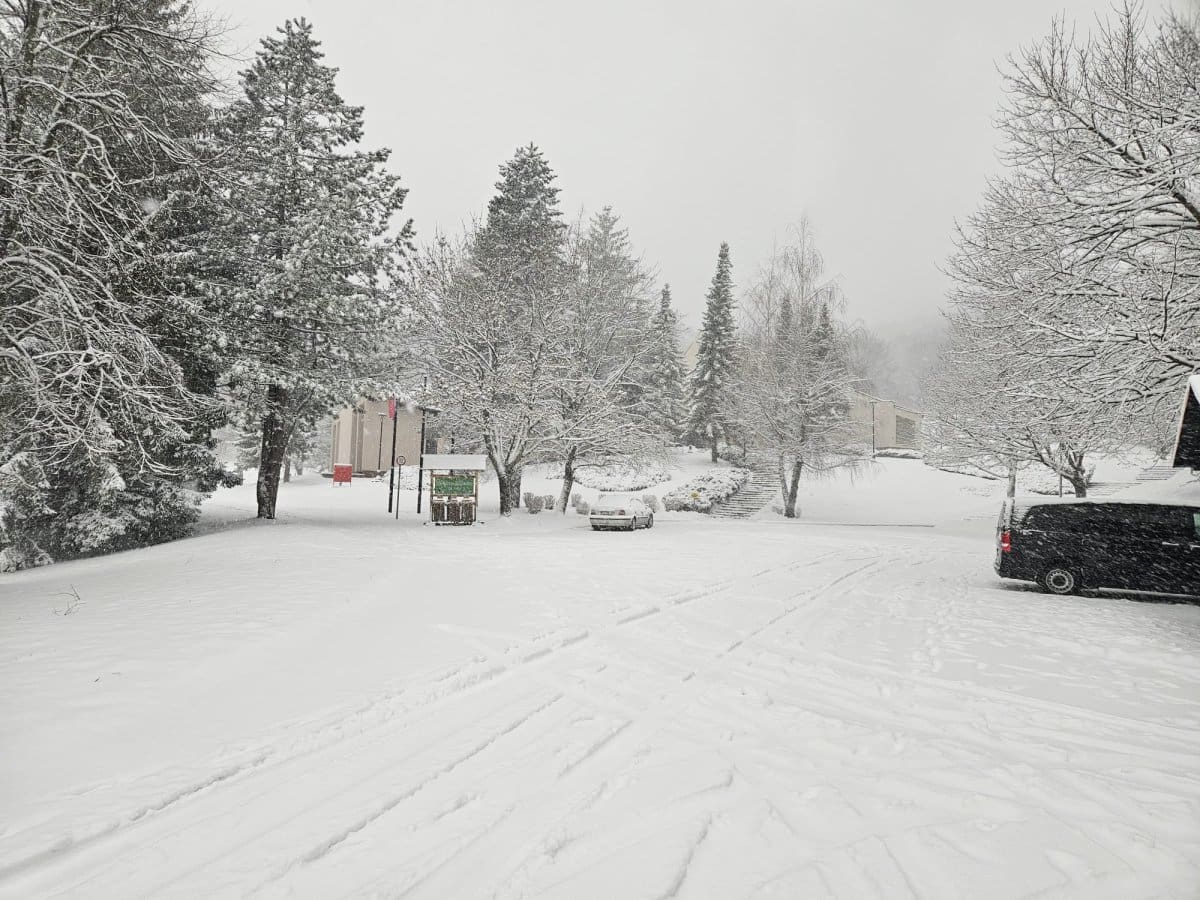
(1070, 518)
(1126, 519)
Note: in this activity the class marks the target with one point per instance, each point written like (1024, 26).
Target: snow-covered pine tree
(493, 311)
(787, 344)
(715, 360)
(106, 364)
(666, 398)
(313, 302)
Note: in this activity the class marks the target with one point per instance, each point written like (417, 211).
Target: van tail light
(1005, 541)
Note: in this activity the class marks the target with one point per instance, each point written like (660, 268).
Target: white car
(620, 511)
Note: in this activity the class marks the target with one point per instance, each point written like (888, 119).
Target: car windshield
(606, 500)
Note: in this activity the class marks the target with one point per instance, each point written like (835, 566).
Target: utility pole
(379, 456)
(872, 429)
(394, 410)
(421, 459)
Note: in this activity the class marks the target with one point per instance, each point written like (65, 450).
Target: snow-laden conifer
(708, 420)
(666, 399)
(312, 303)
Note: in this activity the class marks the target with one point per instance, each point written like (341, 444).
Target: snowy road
(844, 712)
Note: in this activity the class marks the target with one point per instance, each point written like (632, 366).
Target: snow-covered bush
(548, 501)
(583, 508)
(651, 501)
(699, 494)
(533, 502)
(576, 499)
(86, 508)
(898, 453)
(622, 477)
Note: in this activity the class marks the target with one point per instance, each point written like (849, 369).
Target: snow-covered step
(759, 490)
(1106, 488)
(1160, 472)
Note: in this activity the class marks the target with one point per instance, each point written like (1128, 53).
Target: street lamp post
(425, 410)
(379, 457)
(394, 409)
(421, 462)
(872, 429)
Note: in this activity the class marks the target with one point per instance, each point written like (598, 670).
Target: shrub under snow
(622, 478)
(699, 494)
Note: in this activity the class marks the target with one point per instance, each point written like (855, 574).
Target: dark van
(1067, 547)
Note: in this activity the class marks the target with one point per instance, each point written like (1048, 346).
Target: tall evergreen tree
(495, 311)
(313, 297)
(715, 361)
(666, 399)
(786, 342)
(106, 363)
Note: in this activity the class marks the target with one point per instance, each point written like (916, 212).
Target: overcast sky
(697, 122)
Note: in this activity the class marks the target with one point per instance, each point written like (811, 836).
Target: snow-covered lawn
(341, 705)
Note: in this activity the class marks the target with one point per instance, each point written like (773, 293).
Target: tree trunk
(1078, 476)
(1012, 480)
(568, 481)
(509, 484)
(789, 498)
(287, 469)
(274, 448)
(502, 483)
(714, 445)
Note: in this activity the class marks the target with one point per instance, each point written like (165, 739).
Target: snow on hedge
(622, 477)
(699, 494)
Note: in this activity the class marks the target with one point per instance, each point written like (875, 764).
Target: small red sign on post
(342, 473)
(391, 407)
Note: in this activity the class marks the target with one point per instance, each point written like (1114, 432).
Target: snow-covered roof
(471, 462)
(1181, 489)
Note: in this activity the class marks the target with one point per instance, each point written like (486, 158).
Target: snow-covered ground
(338, 704)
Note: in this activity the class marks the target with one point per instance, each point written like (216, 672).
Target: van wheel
(1060, 580)
(650, 521)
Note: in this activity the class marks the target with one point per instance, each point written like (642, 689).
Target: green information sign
(454, 485)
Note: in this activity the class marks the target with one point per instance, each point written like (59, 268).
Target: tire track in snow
(331, 731)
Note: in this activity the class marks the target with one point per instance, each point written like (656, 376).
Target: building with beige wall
(884, 424)
(362, 436)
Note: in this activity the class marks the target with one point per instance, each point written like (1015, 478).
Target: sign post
(400, 461)
(454, 487)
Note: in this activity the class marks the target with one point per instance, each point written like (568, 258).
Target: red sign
(341, 474)
(391, 407)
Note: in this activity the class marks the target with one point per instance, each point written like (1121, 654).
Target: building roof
(1187, 443)
(472, 462)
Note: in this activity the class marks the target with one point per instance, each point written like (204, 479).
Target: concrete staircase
(1101, 488)
(1108, 488)
(759, 489)
(1159, 472)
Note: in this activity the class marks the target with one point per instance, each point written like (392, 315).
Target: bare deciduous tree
(791, 392)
